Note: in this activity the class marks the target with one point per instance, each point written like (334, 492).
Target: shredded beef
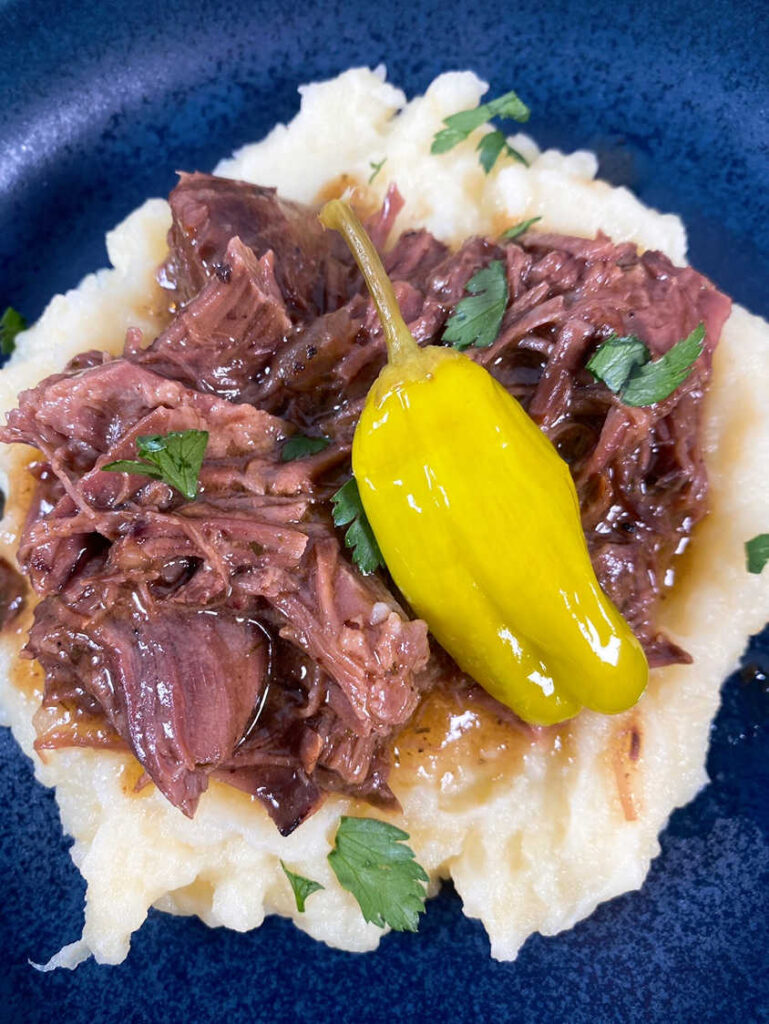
(179, 684)
(231, 637)
(12, 592)
(257, 545)
(313, 268)
(228, 331)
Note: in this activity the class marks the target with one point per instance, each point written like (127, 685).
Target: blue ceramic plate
(99, 104)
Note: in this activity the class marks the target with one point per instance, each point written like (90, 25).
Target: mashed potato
(535, 832)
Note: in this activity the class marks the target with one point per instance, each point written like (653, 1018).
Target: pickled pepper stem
(337, 215)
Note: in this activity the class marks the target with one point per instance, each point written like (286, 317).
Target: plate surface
(100, 104)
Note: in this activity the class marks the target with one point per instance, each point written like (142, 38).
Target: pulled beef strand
(231, 637)
(13, 591)
(313, 271)
(179, 684)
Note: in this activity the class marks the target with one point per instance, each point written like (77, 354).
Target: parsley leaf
(299, 447)
(133, 466)
(11, 324)
(509, 106)
(348, 508)
(458, 127)
(656, 381)
(175, 458)
(446, 139)
(477, 318)
(489, 148)
(624, 365)
(303, 887)
(614, 361)
(757, 553)
(518, 229)
(372, 861)
(376, 168)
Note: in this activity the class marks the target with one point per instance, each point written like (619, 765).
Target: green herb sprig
(376, 168)
(509, 107)
(757, 553)
(348, 511)
(615, 360)
(476, 319)
(11, 324)
(300, 447)
(302, 887)
(625, 366)
(518, 229)
(175, 458)
(372, 861)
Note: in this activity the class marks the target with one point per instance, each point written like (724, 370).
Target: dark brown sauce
(66, 725)
(135, 782)
(21, 485)
(465, 749)
(26, 675)
(336, 187)
(347, 186)
(158, 309)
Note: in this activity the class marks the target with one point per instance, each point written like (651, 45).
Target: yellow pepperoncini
(478, 522)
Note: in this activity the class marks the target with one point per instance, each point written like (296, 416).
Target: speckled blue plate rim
(101, 103)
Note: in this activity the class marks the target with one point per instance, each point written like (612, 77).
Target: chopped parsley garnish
(175, 458)
(348, 509)
(300, 446)
(757, 553)
(625, 367)
(518, 229)
(11, 324)
(459, 126)
(489, 148)
(376, 168)
(614, 360)
(372, 861)
(303, 887)
(476, 319)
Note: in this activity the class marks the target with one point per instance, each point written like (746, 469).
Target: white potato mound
(535, 832)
